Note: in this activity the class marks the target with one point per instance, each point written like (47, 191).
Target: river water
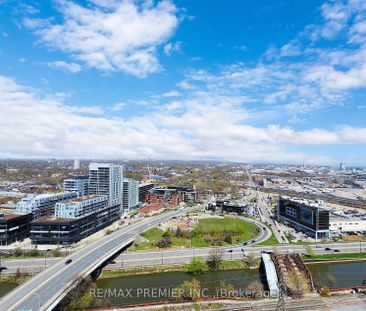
(334, 275)
(338, 275)
(145, 288)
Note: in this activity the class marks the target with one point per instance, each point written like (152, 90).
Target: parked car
(68, 261)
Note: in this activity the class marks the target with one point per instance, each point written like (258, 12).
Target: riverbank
(225, 265)
(13, 278)
(334, 257)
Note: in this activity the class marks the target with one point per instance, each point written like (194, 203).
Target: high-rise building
(107, 179)
(130, 195)
(78, 184)
(76, 164)
(342, 167)
(42, 203)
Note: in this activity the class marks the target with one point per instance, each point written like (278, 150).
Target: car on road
(68, 261)
(245, 243)
(317, 246)
(112, 262)
(337, 251)
(327, 249)
(3, 268)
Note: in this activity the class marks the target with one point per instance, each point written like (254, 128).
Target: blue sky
(253, 81)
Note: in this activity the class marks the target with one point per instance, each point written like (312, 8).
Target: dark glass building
(302, 215)
(65, 231)
(14, 227)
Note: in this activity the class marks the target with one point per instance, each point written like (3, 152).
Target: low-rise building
(343, 225)
(144, 191)
(14, 227)
(65, 231)
(305, 216)
(80, 207)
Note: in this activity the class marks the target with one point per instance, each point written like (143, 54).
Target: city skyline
(261, 82)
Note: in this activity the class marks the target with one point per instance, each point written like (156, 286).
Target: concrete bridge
(48, 288)
(282, 270)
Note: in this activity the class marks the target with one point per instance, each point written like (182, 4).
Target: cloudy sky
(253, 81)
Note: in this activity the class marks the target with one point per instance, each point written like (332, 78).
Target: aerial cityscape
(182, 155)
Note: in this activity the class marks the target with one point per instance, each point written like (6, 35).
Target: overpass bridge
(48, 288)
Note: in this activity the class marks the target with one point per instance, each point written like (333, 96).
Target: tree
(250, 260)
(17, 252)
(17, 273)
(228, 239)
(329, 280)
(297, 284)
(215, 258)
(197, 266)
(309, 251)
(223, 289)
(179, 233)
(165, 242)
(255, 288)
(190, 290)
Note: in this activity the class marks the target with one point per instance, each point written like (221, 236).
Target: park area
(207, 232)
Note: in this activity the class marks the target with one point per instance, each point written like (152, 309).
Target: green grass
(224, 266)
(206, 233)
(337, 256)
(271, 241)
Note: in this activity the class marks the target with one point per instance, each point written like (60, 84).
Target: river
(334, 275)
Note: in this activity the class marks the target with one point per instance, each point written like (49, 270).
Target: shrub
(165, 242)
(197, 266)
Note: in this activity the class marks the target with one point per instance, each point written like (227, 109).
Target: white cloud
(70, 67)
(93, 110)
(171, 94)
(110, 35)
(171, 48)
(205, 128)
(118, 106)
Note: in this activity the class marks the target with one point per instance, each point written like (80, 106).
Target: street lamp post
(162, 257)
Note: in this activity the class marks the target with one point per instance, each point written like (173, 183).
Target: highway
(180, 256)
(42, 291)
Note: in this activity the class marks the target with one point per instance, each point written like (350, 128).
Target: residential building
(130, 195)
(304, 215)
(78, 184)
(76, 164)
(65, 231)
(42, 204)
(14, 227)
(164, 197)
(80, 207)
(144, 190)
(107, 179)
